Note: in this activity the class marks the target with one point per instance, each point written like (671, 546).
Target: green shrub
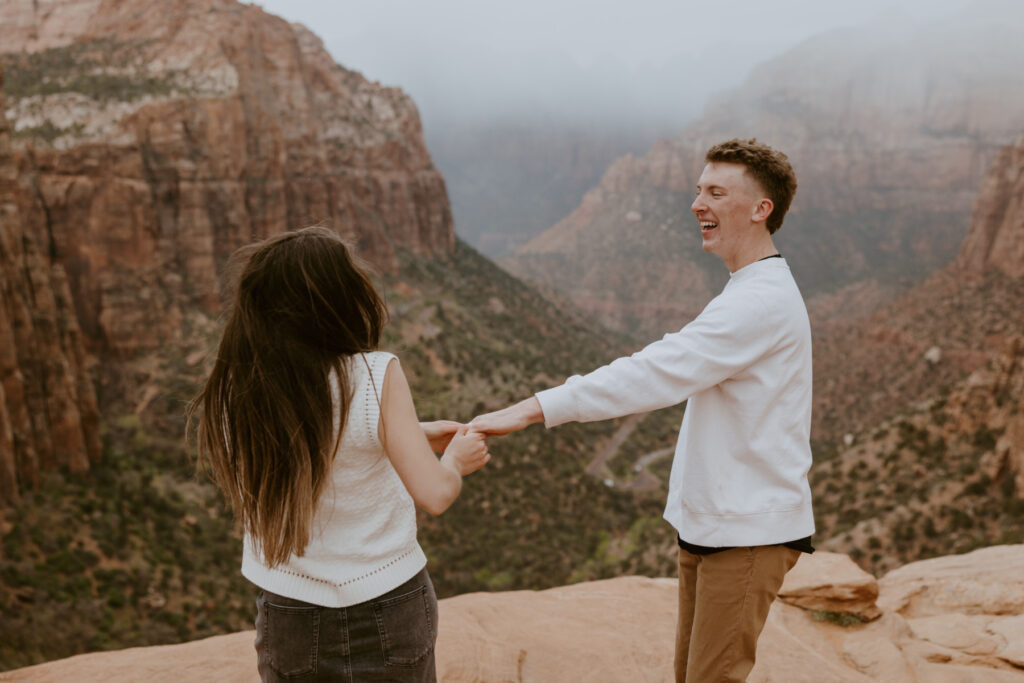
(844, 619)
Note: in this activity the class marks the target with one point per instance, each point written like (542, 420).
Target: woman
(313, 437)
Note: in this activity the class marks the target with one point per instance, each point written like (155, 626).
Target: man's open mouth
(707, 225)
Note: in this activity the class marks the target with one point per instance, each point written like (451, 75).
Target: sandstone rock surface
(986, 581)
(622, 629)
(831, 582)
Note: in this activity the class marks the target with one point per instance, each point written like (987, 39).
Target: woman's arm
(433, 484)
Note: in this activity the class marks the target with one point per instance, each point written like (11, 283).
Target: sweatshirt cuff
(559, 405)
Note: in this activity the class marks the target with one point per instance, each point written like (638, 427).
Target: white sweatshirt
(739, 476)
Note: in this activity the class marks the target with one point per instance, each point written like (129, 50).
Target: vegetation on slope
(104, 70)
(936, 480)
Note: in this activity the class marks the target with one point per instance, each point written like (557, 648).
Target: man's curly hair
(770, 168)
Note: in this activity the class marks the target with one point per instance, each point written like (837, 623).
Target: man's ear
(762, 210)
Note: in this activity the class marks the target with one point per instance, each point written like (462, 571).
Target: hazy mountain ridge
(889, 161)
(942, 329)
(948, 472)
(996, 239)
(510, 180)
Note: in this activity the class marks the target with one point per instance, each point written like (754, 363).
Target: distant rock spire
(996, 237)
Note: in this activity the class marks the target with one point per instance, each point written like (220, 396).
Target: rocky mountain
(935, 334)
(158, 137)
(889, 161)
(140, 551)
(48, 412)
(143, 142)
(946, 619)
(996, 239)
(933, 459)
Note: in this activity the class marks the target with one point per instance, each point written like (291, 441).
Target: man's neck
(756, 250)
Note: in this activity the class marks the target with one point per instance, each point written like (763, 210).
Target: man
(738, 493)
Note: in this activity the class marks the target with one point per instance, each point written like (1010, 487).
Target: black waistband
(801, 544)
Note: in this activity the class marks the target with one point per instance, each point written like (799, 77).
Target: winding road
(644, 480)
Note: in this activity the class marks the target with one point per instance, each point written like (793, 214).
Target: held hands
(466, 451)
(465, 446)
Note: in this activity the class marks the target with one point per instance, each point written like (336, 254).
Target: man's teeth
(708, 224)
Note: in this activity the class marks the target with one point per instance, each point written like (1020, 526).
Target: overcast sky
(610, 58)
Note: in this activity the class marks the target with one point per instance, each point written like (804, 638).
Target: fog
(652, 62)
(524, 105)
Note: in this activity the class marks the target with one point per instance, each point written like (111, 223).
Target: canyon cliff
(996, 239)
(48, 412)
(889, 161)
(155, 138)
(933, 335)
(143, 142)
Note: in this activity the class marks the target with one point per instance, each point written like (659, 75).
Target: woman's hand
(439, 433)
(467, 451)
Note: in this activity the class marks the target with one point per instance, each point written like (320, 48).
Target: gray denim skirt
(389, 638)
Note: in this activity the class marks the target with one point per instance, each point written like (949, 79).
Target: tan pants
(723, 603)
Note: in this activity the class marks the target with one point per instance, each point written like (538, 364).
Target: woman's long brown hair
(266, 419)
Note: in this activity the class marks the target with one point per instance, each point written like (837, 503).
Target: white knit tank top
(363, 539)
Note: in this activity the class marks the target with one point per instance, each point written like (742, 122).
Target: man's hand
(439, 433)
(508, 420)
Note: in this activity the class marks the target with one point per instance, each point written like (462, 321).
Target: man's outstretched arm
(508, 420)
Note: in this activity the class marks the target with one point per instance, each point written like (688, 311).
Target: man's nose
(698, 205)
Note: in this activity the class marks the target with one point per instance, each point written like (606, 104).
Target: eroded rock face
(155, 138)
(623, 629)
(48, 414)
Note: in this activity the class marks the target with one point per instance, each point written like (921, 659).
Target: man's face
(727, 199)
